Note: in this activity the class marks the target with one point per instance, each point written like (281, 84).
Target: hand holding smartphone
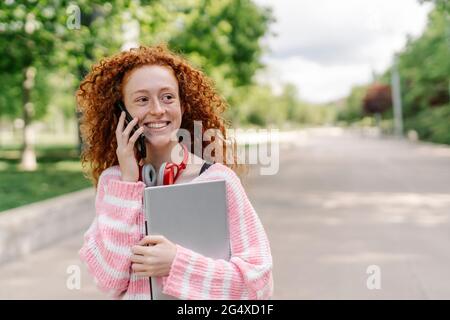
(140, 142)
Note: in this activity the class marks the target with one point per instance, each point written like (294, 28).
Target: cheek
(142, 110)
(138, 112)
(176, 114)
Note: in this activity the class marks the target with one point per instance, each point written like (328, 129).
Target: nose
(156, 109)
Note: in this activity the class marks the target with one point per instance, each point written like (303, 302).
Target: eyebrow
(162, 89)
(141, 90)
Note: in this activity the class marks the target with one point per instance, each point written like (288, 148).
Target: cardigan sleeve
(106, 250)
(248, 273)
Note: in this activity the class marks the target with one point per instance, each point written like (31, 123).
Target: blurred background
(359, 91)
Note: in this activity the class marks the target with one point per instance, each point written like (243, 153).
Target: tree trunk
(378, 120)
(80, 140)
(82, 71)
(28, 161)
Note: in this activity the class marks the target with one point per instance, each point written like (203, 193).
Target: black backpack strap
(205, 166)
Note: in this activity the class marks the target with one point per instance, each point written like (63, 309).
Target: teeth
(157, 125)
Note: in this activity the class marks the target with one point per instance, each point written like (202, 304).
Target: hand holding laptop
(193, 215)
(153, 256)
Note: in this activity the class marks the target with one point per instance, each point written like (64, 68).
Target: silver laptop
(193, 215)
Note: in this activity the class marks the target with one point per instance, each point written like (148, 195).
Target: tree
(44, 36)
(377, 99)
(424, 69)
(223, 39)
(225, 35)
(40, 37)
(427, 84)
(27, 36)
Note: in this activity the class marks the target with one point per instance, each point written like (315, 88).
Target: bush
(432, 124)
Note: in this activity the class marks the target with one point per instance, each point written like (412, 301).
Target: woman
(164, 95)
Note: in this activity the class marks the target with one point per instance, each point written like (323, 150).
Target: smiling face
(151, 94)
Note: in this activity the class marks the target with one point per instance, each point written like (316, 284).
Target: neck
(172, 152)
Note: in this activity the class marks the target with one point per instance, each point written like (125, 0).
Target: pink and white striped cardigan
(119, 224)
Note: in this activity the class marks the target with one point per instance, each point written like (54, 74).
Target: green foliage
(432, 124)
(260, 106)
(26, 37)
(27, 33)
(224, 35)
(426, 84)
(424, 69)
(352, 109)
(39, 34)
(11, 95)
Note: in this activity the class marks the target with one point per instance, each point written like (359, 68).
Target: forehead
(149, 77)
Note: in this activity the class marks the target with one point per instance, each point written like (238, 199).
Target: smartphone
(140, 142)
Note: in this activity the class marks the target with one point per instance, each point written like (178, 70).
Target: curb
(31, 227)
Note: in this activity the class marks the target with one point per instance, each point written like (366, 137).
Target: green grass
(59, 172)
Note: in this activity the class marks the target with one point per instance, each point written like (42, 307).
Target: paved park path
(340, 203)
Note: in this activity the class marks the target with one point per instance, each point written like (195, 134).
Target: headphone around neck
(168, 173)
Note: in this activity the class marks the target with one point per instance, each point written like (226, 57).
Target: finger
(135, 136)
(137, 258)
(119, 128)
(138, 267)
(139, 250)
(126, 132)
(151, 239)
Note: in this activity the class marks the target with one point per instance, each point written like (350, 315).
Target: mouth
(157, 125)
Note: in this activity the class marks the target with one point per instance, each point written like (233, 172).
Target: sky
(325, 47)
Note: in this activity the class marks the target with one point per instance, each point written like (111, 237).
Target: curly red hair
(102, 88)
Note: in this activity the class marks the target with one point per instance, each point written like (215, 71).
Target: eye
(141, 99)
(168, 97)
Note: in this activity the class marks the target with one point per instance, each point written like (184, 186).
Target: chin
(159, 141)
